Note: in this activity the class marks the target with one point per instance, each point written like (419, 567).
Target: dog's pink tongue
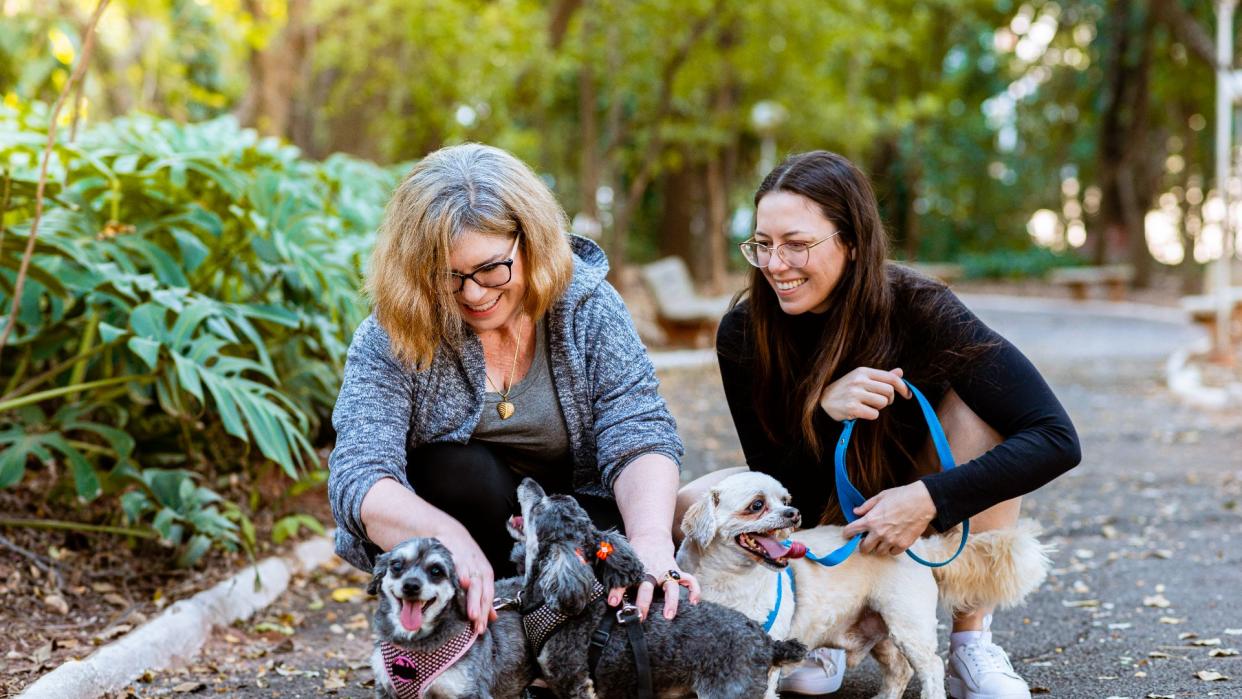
(774, 548)
(411, 615)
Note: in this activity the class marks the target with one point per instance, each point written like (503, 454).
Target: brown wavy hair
(455, 189)
(857, 326)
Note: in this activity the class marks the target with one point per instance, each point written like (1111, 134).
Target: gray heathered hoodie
(602, 376)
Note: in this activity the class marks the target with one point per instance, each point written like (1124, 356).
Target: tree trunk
(276, 71)
(677, 207)
(588, 168)
(1129, 156)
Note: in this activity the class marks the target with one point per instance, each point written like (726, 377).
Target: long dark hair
(857, 327)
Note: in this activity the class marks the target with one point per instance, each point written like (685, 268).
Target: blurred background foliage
(196, 273)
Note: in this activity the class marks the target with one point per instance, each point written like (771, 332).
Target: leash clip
(628, 614)
(506, 602)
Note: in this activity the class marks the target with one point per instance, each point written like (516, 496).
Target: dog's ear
(699, 522)
(517, 556)
(565, 581)
(620, 567)
(378, 571)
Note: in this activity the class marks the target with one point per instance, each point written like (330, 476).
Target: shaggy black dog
(708, 650)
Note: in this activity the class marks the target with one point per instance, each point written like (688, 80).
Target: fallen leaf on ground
(1156, 600)
(1081, 602)
(347, 594)
(1210, 676)
(1170, 620)
(1206, 642)
(1233, 632)
(116, 600)
(1222, 652)
(1186, 634)
(334, 680)
(43, 653)
(56, 603)
(1161, 696)
(1158, 654)
(109, 634)
(189, 687)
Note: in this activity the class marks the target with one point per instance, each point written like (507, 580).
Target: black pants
(473, 484)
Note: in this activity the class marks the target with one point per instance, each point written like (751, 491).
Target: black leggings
(473, 484)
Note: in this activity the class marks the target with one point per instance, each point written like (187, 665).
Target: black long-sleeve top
(935, 332)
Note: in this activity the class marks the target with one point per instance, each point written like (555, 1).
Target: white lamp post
(1228, 91)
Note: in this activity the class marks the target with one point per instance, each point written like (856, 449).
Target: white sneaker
(821, 673)
(981, 670)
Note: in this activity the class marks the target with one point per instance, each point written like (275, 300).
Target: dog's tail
(998, 568)
(787, 652)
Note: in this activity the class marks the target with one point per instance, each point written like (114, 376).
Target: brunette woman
(826, 332)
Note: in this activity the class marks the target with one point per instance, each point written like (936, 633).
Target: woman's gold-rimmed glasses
(794, 254)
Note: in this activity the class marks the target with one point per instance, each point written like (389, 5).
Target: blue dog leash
(776, 608)
(849, 497)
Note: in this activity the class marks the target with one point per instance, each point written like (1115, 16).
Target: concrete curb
(683, 359)
(1185, 380)
(1112, 309)
(180, 632)
(664, 360)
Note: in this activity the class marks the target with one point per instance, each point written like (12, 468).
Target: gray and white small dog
(421, 624)
(708, 650)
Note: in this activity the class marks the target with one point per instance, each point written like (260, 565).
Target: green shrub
(1014, 264)
(192, 291)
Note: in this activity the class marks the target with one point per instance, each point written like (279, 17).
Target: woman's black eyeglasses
(490, 275)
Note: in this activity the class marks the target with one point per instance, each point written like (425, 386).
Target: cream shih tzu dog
(738, 544)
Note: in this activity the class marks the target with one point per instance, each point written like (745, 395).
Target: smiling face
(748, 513)
(481, 307)
(418, 585)
(785, 217)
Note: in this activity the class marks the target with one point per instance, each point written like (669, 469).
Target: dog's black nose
(411, 588)
(792, 514)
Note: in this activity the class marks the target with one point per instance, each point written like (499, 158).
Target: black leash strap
(629, 618)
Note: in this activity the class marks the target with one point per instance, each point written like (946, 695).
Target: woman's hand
(475, 574)
(893, 519)
(862, 394)
(657, 557)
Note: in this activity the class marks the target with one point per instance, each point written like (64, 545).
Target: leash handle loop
(849, 498)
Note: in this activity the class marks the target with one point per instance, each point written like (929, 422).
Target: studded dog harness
(411, 672)
(539, 621)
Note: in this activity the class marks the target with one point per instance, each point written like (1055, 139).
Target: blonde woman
(496, 350)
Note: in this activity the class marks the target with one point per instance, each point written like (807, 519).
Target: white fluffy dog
(885, 605)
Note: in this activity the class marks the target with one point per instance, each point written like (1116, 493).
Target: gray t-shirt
(534, 440)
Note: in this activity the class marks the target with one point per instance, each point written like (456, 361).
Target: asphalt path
(1143, 600)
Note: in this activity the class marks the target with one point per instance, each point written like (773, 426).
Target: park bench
(1202, 310)
(947, 272)
(685, 317)
(1116, 278)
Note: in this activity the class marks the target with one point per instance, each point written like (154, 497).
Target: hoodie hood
(590, 267)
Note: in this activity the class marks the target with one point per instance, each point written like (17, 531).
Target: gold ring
(672, 575)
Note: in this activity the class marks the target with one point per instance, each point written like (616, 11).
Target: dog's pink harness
(411, 672)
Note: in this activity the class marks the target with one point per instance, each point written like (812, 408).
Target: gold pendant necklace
(505, 407)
